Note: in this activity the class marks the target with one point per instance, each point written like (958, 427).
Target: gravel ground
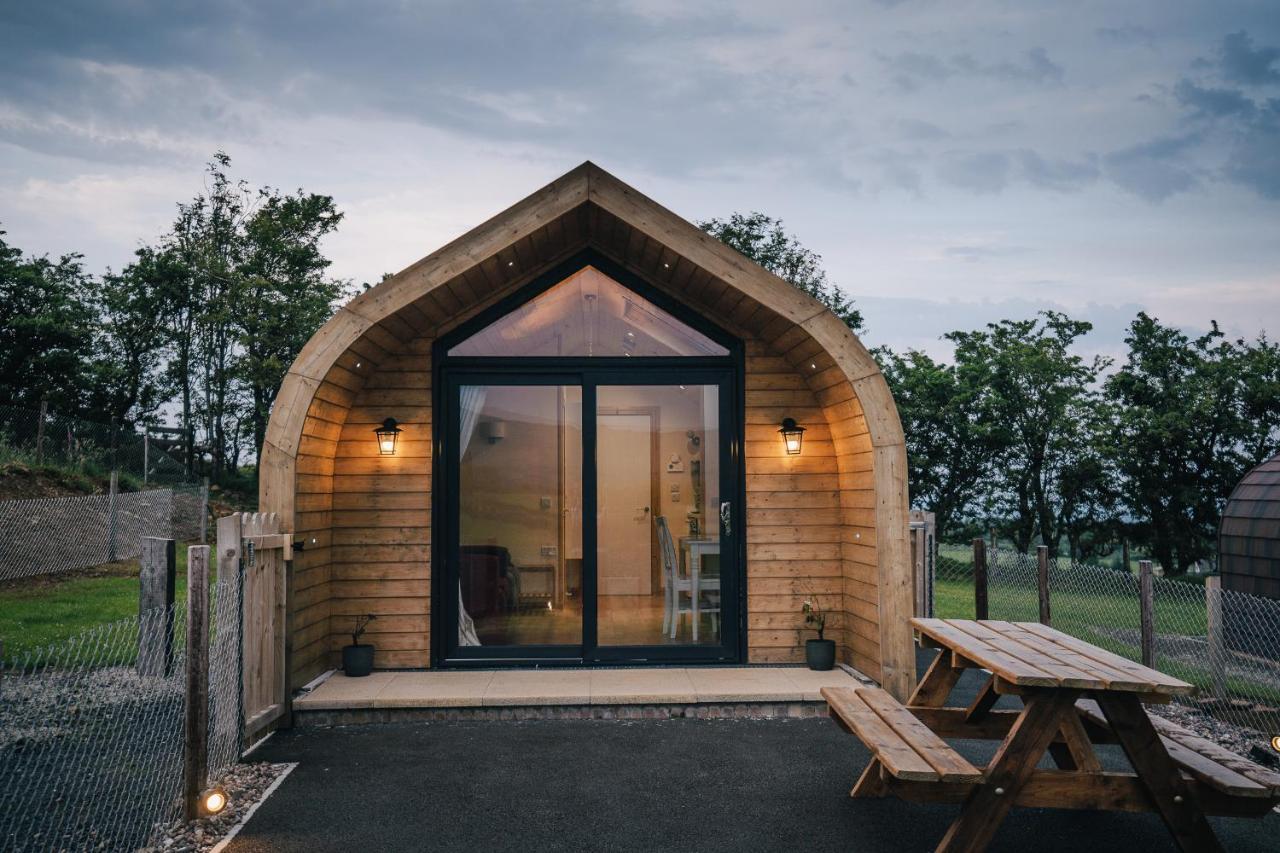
(245, 784)
(1254, 745)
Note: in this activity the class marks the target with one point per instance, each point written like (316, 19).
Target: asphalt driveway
(679, 785)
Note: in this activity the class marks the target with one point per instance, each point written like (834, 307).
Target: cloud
(980, 172)
(1035, 66)
(1209, 102)
(1058, 173)
(1254, 161)
(1126, 35)
(909, 69)
(1241, 63)
(920, 131)
(976, 253)
(1154, 170)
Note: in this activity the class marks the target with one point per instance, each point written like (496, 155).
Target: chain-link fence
(92, 448)
(91, 748)
(1226, 643)
(50, 535)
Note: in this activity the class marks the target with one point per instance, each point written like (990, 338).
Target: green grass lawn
(46, 611)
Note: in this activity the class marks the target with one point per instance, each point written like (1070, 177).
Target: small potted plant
(357, 658)
(820, 654)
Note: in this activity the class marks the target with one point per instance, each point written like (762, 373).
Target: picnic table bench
(1074, 695)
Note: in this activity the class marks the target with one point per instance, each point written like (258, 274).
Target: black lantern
(387, 434)
(792, 436)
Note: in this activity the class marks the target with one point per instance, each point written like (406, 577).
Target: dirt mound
(19, 481)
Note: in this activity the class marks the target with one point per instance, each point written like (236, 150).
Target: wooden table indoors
(1073, 695)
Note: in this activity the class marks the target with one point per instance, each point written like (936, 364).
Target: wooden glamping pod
(585, 459)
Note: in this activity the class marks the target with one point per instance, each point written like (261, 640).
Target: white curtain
(471, 401)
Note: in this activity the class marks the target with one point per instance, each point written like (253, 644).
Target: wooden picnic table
(1073, 695)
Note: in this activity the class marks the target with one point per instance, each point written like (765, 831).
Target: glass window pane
(588, 314)
(658, 497)
(520, 515)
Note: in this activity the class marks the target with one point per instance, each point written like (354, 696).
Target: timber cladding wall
(808, 532)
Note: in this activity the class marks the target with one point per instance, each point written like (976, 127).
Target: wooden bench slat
(894, 753)
(1009, 668)
(951, 766)
(1238, 763)
(1203, 759)
(1161, 683)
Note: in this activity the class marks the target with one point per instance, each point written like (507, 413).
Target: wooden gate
(252, 546)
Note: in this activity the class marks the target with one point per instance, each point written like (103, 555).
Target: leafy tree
(1258, 370)
(1035, 391)
(952, 451)
(1177, 436)
(128, 376)
(250, 292)
(284, 295)
(46, 329)
(1088, 484)
(762, 239)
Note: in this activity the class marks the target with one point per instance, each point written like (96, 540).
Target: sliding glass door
(658, 490)
(589, 516)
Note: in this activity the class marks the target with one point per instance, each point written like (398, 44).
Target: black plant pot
(820, 654)
(357, 661)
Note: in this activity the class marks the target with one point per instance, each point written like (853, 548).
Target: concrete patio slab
(343, 692)
(560, 687)
(744, 684)
(433, 689)
(641, 686)
(539, 687)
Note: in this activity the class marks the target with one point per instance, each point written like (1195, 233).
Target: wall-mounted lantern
(792, 436)
(387, 434)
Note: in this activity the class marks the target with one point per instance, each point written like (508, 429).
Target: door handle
(726, 516)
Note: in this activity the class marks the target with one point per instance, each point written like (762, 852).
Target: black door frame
(727, 372)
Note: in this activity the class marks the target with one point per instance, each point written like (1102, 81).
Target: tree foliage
(1021, 433)
(204, 322)
(763, 239)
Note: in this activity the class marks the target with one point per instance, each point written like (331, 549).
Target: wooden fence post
(1147, 603)
(1124, 556)
(44, 411)
(195, 754)
(157, 577)
(980, 579)
(111, 515)
(1042, 573)
(204, 512)
(1217, 635)
(286, 642)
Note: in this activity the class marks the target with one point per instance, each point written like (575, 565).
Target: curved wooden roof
(1249, 537)
(587, 207)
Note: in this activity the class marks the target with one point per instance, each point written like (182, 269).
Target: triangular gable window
(588, 314)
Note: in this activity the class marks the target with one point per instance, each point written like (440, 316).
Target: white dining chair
(675, 584)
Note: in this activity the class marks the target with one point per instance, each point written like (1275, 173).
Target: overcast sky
(953, 162)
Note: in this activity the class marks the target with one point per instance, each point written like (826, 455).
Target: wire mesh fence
(50, 535)
(49, 438)
(1226, 643)
(91, 738)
